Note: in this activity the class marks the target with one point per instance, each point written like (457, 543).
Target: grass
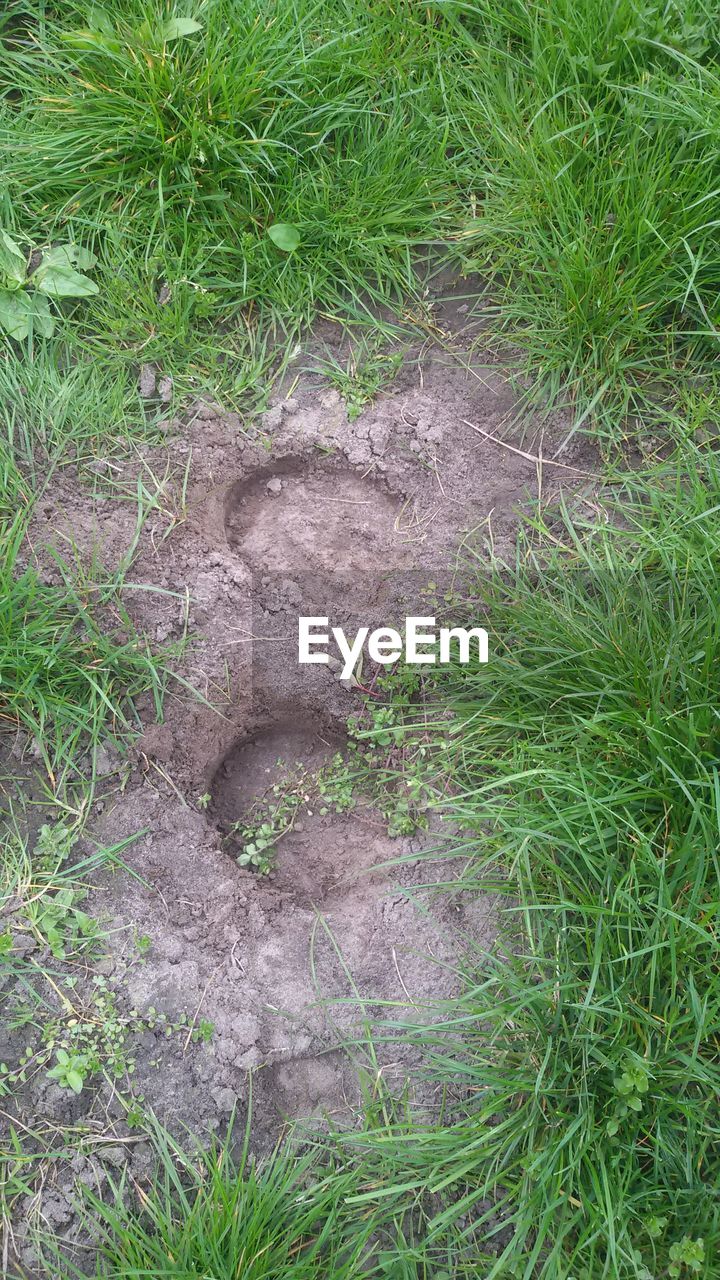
(596, 127)
(174, 157)
(567, 151)
(584, 768)
(219, 1212)
(71, 661)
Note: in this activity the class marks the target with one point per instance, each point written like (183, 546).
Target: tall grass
(569, 151)
(71, 660)
(307, 113)
(586, 772)
(221, 1213)
(593, 130)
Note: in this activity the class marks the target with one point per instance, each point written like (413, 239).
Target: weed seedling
(24, 293)
(70, 1070)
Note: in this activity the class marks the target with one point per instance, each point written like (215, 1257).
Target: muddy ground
(303, 511)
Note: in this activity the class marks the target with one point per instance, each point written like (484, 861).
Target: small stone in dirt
(272, 418)
(274, 487)
(224, 1098)
(165, 389)
(148, 381)
(114, 1155)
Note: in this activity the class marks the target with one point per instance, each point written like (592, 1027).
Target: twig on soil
(415, 523)
(530, 457)
(238, 964)
(167, 778)
(402, 984)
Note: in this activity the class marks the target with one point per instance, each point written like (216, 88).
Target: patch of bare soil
(340, 518)
(321, 517)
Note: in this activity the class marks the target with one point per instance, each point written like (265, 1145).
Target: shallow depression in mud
(297, 516)
(274, 755)
(322, 856)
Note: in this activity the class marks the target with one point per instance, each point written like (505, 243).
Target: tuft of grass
(219, 1212)
(591, 130)
(311, 114)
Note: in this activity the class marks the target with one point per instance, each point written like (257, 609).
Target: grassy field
(583, 761)
(218, 192)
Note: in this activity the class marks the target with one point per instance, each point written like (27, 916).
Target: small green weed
(630, 1087)
(686, 1256)
(272, 817)
(259, 834)
(70, 1070)
(93, 1037)
(24, 294)
(57, 920)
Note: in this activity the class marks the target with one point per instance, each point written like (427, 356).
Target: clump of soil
(283, 965)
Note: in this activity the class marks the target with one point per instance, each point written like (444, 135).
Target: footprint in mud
(255, 764)
(324, 855)
(294, 517)
(327, 922)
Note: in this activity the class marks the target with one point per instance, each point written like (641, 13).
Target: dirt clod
(147, 382)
